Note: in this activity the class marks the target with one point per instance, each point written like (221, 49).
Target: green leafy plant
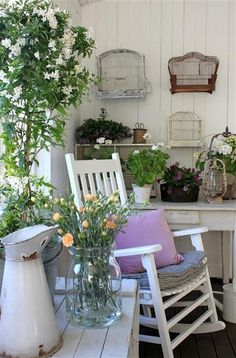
(147, 165)
(99, 152)
(91, 130)
(182, 177)
(41, 76)
(224, 149)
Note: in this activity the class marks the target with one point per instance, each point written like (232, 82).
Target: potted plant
(181, 184)
(92, 129)
(41, 75)
(225, 150)
(146, 166)
(93, 281)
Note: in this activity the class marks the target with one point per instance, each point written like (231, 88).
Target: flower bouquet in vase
(93, 278)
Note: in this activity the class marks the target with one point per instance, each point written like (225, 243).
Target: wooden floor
(220, 344)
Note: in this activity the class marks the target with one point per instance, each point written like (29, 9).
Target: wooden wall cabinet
(193, 72)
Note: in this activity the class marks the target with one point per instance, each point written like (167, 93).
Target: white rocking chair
(192, 274)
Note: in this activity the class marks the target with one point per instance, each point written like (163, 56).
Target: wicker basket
(138, 135)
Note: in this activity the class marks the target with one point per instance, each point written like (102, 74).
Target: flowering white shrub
(41, 72)
(224, 149)
(41, 75)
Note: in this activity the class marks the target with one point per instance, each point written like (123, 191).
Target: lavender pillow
(147, 229)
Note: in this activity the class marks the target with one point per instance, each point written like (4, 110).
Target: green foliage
(93, 129)
(147, 165)
(21, 208)
(98, 152)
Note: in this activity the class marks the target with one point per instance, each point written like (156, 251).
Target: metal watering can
(27, 321)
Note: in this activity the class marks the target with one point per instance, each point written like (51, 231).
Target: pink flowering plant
(182, 177)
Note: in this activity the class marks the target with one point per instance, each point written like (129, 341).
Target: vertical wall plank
(231, 76)
(217, 44)
(167, 16)
(89, 19)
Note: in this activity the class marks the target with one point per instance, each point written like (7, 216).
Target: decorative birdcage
(193, 72)
(122, 74)
(185, 130)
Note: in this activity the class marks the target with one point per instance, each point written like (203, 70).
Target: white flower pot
(142, 193)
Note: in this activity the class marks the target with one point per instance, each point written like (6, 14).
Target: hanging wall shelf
(185, 130)
(122, 74)
(193, 72)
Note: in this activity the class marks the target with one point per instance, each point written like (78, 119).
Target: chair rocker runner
(173, 282)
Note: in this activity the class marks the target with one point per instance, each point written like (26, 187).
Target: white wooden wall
(161, 29)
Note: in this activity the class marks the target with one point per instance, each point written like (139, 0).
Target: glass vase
(93, 287)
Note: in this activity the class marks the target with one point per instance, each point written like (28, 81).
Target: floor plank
(220, 344)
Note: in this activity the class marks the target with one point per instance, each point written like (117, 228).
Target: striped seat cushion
(173, 276)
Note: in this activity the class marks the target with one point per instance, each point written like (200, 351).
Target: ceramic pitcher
(27, 321)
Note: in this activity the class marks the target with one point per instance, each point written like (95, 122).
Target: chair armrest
(190, 231)
(140, 250)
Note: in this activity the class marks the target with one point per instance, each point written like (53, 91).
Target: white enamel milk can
(27, 321)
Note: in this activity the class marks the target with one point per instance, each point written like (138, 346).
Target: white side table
(117, 341)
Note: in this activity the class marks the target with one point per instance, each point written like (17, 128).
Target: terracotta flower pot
(177, 194)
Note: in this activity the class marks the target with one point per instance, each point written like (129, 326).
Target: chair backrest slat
(113, 182)
(92, 186)
(90, 176)
(107, 185)
(100, 185)
(83, 180)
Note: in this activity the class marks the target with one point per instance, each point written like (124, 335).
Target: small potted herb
(181, 184)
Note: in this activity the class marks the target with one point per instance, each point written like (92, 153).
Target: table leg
(234, 255)
(226, 255)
